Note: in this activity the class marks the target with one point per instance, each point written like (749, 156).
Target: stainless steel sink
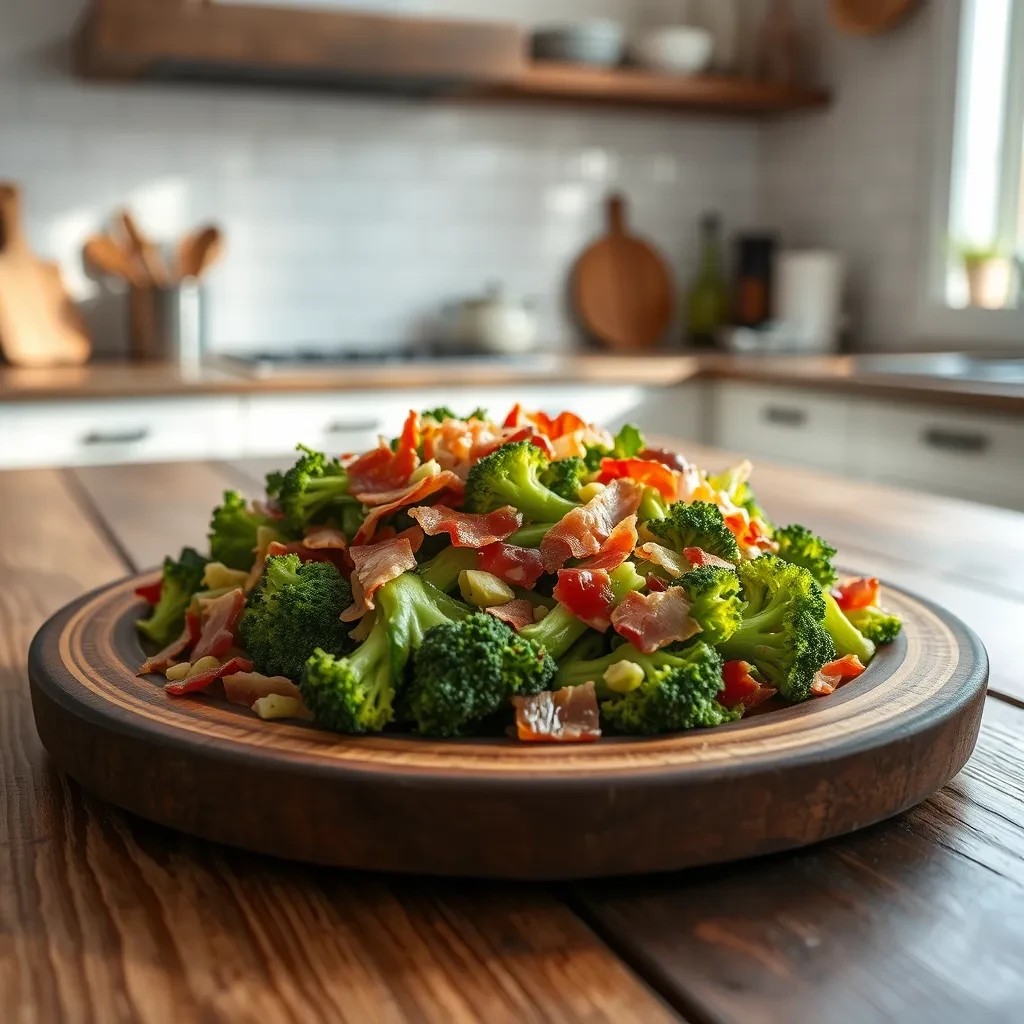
(986, 368)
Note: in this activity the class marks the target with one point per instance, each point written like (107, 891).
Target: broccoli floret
(442, 571)
(511, 476)
(800, 546)
(293, 611)
(715, 604)
(233, 531)
(442, 413)
(628, 442)
(465, 672)
(181, 579)
(696, 525)
(566, 477)
(315, 489)
(782, 633)
(845, 635)
(876, 624)
(678, 691)
(357, 693)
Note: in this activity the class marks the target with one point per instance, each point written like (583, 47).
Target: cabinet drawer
(962, 454)
(805, 428)
(132, 430)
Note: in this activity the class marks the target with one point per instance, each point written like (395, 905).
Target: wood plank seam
(81, 497)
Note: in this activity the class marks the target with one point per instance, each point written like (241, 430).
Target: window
(976, 270)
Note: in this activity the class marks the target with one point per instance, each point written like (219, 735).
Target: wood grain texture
(106, 918)
(919, 919)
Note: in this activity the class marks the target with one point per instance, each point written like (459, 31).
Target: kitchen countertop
(106, 917)
(915, 380)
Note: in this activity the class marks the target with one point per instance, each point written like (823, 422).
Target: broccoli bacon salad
(536, 576)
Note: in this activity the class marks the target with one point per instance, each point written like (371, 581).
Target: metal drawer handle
(784, 416)
(955, 441)
(116, 437)
(352, 426)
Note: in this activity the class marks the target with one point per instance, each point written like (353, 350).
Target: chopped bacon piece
(219, 621)
(199, 682)
(652, 621)
(665, 558)
(582, 531)
(465, 529)
(246, 687)
(569, 715)
(519, 566)
(516, 614)
(587, 593)
(483, 448)
(673, 460)
(411, 495)
(375, 565)
(150, 592)
(656, 585)
(617, 548)
(858, 593)
(382, 469)
(325, 538)
(740, 687)
(835, 673)
(698, 558)
(750, 533)
(562, 424)
(169, 656)
(648, 472)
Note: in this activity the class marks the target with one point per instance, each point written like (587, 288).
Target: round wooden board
(496, 808)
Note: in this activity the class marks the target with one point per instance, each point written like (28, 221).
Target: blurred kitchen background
(792, 228)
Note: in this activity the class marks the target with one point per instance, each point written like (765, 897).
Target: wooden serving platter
(495, 808)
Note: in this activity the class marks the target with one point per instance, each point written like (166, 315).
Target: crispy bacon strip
(587, 593)
(513, 564)
(858, 593)
(698, 558)
(198, 683)
(325, 538)
(582, 531)
(665, 558)
(219, 621)
(410, 495)
(569, 715)
(617, 548)
(649, 472)
(375, 565)
(382, 469)
(652, 621)
(246, 687)
(170, 655)
(465, 529)
(831, 676)
(516, 614)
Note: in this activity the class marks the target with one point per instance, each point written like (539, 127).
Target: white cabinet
(805, 428)
(963, 454)
(91, 432)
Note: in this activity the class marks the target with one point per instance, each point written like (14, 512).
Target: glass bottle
(707, 305)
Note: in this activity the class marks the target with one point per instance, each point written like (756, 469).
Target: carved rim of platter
(916, 681)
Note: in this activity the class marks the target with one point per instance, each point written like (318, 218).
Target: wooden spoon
(199, 250)
(144, 252)
(870, 17)
(102, 253)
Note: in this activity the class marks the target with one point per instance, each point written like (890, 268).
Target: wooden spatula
(870, 17)
(199, 250)
(153, 268)
(39, 324)
(622, 288)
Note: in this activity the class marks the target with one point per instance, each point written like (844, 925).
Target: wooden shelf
(634, 87)
(460, 60)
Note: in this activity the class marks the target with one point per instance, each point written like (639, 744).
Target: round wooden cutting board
(497, 808)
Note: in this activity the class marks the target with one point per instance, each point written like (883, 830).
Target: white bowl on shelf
(674, 50)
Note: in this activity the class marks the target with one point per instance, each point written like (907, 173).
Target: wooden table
(106, 918)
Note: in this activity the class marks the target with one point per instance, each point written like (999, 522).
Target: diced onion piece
(623, 676)
(217, 576)
(540, 613)
(484, 589)
(202, 665)
(590, 491)
(431, 468)
(275, 706)
(179, 671)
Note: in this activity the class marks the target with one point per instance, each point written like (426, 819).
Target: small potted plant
(989, 273)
